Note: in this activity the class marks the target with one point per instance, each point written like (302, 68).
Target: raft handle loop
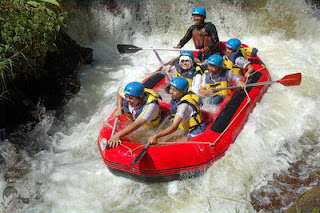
(131, 150)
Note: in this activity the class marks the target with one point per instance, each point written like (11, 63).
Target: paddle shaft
(115, 124)
(144, 150)
(161, 62)
(169, 49)
(141, 154)
(163, 123)
(248, 85)
(114, 128)
(158, 57)
(128, 48)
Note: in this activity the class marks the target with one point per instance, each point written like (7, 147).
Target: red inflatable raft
(178, 160)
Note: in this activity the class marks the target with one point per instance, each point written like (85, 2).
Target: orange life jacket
(201, 38)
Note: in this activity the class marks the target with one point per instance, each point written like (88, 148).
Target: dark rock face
(56, 84)
(62, 68)
(314, 2)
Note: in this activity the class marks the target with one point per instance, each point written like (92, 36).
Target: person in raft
(185, 108)
(204, 35)
(216, 76)
(140, 105)
(186, 68)
(236, 57)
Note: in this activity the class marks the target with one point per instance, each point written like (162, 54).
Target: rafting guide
(204, 35)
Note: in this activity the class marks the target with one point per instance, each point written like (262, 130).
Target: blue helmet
(134, 89)
(199, 11)
(216, 60)
(233, 43)
(180, 83)
(187, 53)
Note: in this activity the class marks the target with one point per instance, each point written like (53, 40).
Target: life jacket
(195, 102)
(201, 38)
(188, 75)
(150, 96)
(221, 81)
(229, 61)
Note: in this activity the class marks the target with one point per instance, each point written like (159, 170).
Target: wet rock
(316, 3)
(2, 134)
(308, 202)
(27, 99)
(285, 188)
(3, 169)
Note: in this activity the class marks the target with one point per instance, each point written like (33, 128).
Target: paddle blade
(139, 157)
(127, 48)
(291, 80)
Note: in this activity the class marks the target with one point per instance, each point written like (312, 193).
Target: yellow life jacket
(150, 96)
(221, 81)
(188, 75)
(196, 120)
(229, 62)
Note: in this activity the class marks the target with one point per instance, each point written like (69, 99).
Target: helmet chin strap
(140, 98)
(182, 94)
(140, 101)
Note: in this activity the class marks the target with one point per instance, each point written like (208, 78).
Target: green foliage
(3, 96)
(28, 31)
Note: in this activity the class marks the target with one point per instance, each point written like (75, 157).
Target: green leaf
(33, 3)
(49, 12)
(52, 2)
(58, 28)
(31, 25)
(61, 18)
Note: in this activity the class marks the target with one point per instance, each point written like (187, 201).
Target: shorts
(217, 99)
(197, 130)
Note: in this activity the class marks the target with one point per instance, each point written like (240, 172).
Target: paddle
(128, 48)
(115, 125)
(288, 80)
(158, 57)
(161, 62)
(144, 150)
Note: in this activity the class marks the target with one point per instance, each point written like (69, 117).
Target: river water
(62, 167)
